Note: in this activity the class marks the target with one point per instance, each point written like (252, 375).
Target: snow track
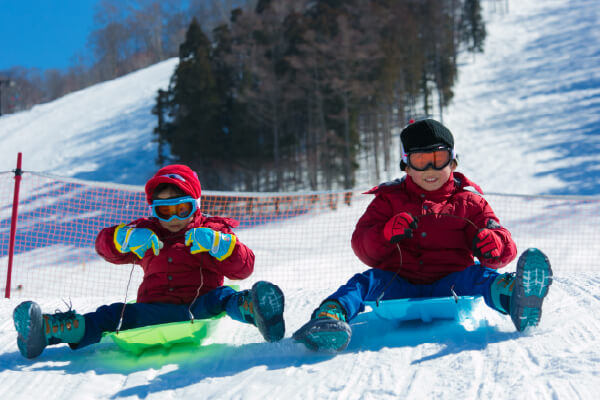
(530, 104)
(441, 359)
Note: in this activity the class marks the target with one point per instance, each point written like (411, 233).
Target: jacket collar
(456, 181)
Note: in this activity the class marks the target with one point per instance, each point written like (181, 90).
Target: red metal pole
(13, 224)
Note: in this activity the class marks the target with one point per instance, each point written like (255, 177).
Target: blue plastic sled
(425, 309)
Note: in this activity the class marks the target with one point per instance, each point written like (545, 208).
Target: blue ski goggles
(180, 208)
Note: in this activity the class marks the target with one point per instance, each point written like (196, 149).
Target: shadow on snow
(194, 364)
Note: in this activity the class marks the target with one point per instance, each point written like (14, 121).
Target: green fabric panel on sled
(425, 309)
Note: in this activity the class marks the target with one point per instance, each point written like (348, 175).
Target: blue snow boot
(35, 330)
(327, 329)
(263, 306)
(532, 281)
(521, 294)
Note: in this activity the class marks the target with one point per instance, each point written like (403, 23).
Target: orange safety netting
(300, 240)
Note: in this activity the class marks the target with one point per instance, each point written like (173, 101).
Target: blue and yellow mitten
(218, 244)
(136, 240)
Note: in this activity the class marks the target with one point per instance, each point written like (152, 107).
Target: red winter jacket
(175, 274)
(441, 244)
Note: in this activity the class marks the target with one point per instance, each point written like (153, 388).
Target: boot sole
(533, 280)
(268, 303)
(324, 335)
(29, 324)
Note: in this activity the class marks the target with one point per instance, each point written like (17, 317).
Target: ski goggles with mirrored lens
(435, 158)
(180, 208)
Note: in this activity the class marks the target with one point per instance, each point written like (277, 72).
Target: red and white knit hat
(177, 174)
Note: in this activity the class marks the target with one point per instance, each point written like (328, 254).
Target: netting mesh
(300, 240)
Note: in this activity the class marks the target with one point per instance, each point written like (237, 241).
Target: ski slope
(526, 119)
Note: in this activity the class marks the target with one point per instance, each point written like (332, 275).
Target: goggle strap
(403, 153)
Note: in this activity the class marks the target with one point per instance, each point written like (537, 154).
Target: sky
(43, 33)
(519, 130)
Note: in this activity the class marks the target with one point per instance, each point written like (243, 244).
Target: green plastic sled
(137, 340)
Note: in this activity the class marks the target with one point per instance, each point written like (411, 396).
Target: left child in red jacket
(185, 256)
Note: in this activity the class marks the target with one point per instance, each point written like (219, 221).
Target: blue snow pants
(475, 280)
(106, 318)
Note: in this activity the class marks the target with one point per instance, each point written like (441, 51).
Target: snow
(102, 133)
(526, 119)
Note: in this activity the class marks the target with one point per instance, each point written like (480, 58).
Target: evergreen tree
(162, 129)
(472, 26)
(196, 136)
(288, 95)
(242, 135)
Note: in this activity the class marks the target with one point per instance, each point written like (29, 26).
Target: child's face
(174, 225)
(431, 179)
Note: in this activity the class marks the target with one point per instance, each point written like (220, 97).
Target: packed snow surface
(526, 119)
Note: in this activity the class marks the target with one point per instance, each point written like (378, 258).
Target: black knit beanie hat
(426, 134)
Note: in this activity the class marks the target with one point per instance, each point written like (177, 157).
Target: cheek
(168, 225)
(163, 224)
(447, 171)
(413, 174)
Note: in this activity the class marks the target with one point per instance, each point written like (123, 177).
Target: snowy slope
(526, 116)
(526, 119)
(559, 359)
(529, 107)
(101, 133)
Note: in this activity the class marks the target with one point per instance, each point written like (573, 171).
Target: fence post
(13, 224)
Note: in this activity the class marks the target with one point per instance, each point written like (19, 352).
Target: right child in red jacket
(420, 236)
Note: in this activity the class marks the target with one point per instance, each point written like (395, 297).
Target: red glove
(399, 227)
(487, 244)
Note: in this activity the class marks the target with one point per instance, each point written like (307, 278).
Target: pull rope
(127, 291)
(196, 297)
(392, 279)
(124, 301)
(454, 295)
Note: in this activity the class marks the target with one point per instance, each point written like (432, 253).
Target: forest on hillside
(127, 35)
(285, 96)
(274, 95)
